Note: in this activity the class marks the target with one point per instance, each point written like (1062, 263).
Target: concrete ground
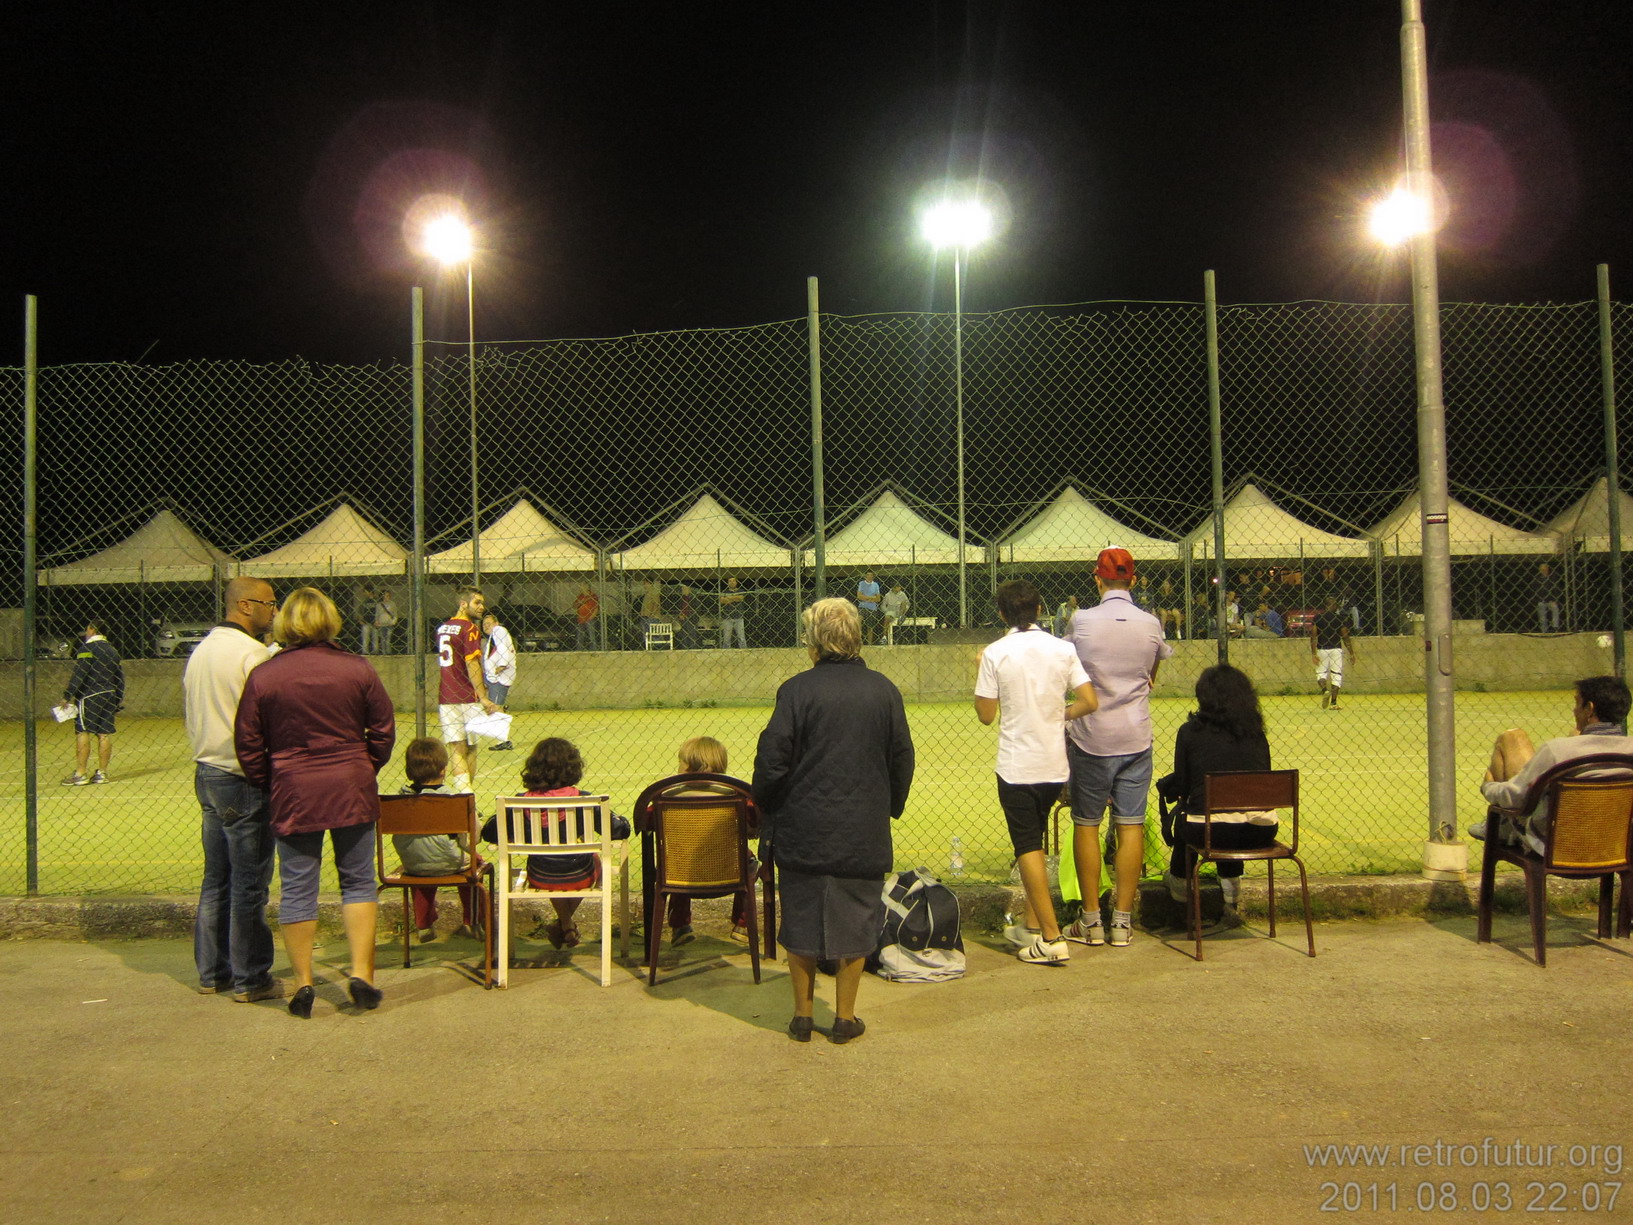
(1133, 1085)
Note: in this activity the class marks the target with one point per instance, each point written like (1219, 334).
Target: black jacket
(1201, 749)
(97, 669)
(833, 769)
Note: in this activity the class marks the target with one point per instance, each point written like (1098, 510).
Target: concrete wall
(614, 679)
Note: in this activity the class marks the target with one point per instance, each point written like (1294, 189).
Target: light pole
(961, 225)
(449, 240)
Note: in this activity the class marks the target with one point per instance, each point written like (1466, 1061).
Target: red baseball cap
(1115, 565)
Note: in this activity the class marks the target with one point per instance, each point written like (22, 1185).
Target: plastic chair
(696, 845)
(1248, 791)
(661, 634)
(435, 814)
(559, 825)
(1587, 832)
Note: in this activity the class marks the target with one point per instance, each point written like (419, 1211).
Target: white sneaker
(75, 780)
(1043, 952)
(1085, 929)
(1019, 935)
(1478, 830)
(99, 777)
(1122, 930)
(1178, 888)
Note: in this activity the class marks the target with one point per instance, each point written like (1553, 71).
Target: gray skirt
(829, 916)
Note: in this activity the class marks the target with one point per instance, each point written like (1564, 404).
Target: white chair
(661, 634)
(580, 825)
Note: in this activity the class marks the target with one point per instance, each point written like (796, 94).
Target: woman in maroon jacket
(314, 727)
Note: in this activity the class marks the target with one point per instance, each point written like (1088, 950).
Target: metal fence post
(416, 560)
(1210, 315)
(819, 510)
(31, 763)
(1431, 413)
(1613, 475)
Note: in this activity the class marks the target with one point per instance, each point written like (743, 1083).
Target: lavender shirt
(1119, 645)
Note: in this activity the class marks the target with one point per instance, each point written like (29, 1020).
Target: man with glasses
(232, 943)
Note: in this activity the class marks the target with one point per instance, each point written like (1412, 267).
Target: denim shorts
(1123, 781)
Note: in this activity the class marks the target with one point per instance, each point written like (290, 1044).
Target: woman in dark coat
(833, 770)
(1225, 732)
(314, 727)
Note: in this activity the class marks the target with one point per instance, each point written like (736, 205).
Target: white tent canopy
(891, 533)
(706, 536)
(1256, 529)
(1587, 521)
(162, 550)
(344, 543)
(522, 540)
(1072, 528)
(1470, 533)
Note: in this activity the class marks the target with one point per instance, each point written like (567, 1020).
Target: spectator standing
(498, 666)
(733, 606)
(365, 607)
(385, 621)
(685, 620)
(1545, 589)
(96, 689)
(651, 606)
(833, 770)
(586, 608)
(314, 727)
(1022, 677)
(1329, 635)
(1121, 647)
(1064, 614)
(894, 606)
(867, 603)
(232, 943)
(461, 691)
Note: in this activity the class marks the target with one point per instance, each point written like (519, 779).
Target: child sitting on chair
(703, 755)
(553, 769)
(425, 761)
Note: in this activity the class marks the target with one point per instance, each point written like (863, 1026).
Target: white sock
(1122, 918)
(1231, 887)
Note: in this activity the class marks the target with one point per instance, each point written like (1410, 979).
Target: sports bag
(920, 941)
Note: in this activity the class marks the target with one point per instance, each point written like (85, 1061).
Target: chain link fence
(649, 533)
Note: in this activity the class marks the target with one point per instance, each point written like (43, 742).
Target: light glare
(1399, 217)
(448, 240)
(957, 223)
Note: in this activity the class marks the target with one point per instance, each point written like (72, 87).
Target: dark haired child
(425, 761)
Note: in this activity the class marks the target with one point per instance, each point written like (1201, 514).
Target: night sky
(230, 181)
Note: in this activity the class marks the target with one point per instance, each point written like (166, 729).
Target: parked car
(54, 644)
(176, 639)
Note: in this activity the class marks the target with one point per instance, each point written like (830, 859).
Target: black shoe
(799, 1029)
(504, 746)
(363, 994)
(843, 1031)
(300, 1004)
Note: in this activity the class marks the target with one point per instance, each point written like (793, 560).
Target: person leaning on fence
(1329, 637)
(1021, 678)
(314, 727)
(232, 943)
(425, 762)
(832, 771)
(1599, 712)
(1110, 750)
(1225, 732)
(498, 666)
(733, 606)
(96, 690)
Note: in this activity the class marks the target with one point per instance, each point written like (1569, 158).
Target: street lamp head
(1399, 217)
(448, 239)
(957, 223)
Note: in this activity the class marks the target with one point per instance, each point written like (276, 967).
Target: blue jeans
(732, 627)
(231, 939)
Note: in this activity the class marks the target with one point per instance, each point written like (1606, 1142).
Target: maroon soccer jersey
(458, 642)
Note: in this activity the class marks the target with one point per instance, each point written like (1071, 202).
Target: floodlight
(1398, 217)
(448, 240)
(957, 223)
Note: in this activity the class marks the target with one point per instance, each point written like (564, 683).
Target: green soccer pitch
(1364, 792)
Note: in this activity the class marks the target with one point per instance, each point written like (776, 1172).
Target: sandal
(560, 934)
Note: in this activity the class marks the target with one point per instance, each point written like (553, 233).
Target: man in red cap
(1109, 751)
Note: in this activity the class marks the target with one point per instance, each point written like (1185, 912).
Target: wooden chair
(435, 814)
(661, 634)
(1587, 832)
(1248, 791)
(566, 825)
(696, 845)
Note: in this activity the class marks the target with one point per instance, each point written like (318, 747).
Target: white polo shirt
(1119, 644)
(1030, 672)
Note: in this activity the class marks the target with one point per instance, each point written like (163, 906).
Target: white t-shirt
(1030, 672)
(1120, 644)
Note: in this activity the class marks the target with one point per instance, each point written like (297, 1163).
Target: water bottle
(955, 857)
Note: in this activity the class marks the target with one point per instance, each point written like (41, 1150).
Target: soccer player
(1329, 636)
(461, 692)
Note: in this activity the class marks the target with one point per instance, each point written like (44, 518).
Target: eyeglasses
(263, 603)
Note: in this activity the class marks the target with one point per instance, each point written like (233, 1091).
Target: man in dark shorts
(97, 692)
(1329, 635)
(461, 690)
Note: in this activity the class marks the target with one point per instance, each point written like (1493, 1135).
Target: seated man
(1266, 623)
(1601, 706)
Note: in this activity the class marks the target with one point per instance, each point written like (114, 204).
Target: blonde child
(425, 761)
(702, 755)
